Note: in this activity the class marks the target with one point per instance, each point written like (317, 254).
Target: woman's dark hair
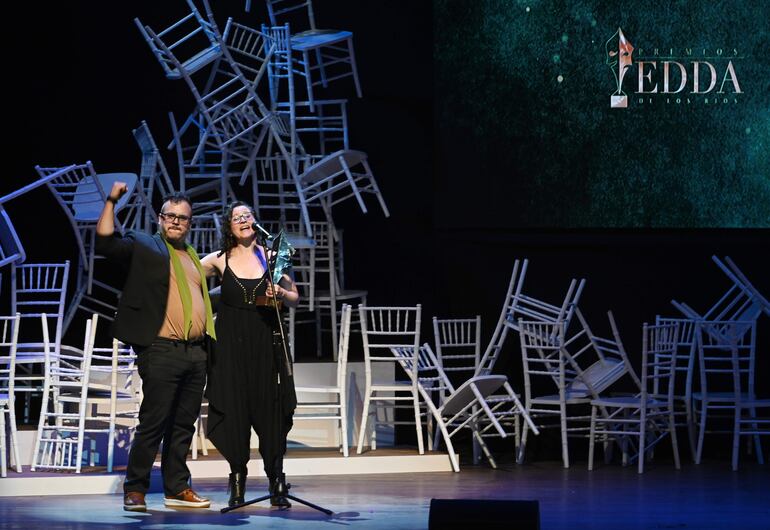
(227, 238)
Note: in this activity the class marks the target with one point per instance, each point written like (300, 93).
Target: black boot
(237, 487)
(278, 491)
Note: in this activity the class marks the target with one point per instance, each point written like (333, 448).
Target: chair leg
(757, 442)
(690, 426)
(14, 440)
(353, 67)
(674, 439)
(344, 426)
(321, 70)
(417, 422)
(701, 431)
(592, 439)
(564, 441)
(523, 444)
(642, 452)
(308, 80)
(3, 470)
(736, 437)
(362, 427)
(485, 449)
(450, 449)
(194, 444)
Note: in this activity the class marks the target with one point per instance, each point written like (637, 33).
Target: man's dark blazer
(142, 306)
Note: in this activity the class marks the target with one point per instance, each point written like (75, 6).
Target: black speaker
(483, 514)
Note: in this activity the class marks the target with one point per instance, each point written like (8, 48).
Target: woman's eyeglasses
(242, 217)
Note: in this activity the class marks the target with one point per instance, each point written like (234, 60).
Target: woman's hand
(280, 292)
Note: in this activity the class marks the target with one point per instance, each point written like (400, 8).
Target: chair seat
(308, 40)
(571, 398)
(392, 385)
(464, 395)
(341, 296)
(626, 402)
(196, 62)
(721, 397)
(599, 375)
(330, 164)
(318, 388)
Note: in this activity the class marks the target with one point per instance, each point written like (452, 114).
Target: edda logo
(672, 75)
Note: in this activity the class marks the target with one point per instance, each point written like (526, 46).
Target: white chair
(114, 385)
(458, 351)
(335, 406)
(741, 302)
(465, 406)
(330, 48)
(727, 364)
(647, 417)
(11, 249)
(383, 328)
(192, 39)
(37, 289)
(331, 291)
(9, 335)
(579, 367)
(153, 176)
(684, 364)
(518, 305)
(61, 428)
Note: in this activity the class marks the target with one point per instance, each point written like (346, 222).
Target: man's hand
(118, 190)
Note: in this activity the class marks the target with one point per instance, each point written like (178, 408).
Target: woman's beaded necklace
(251, 299)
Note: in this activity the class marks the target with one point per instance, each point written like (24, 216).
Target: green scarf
(184, 290)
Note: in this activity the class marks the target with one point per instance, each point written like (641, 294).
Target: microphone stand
(289, 371)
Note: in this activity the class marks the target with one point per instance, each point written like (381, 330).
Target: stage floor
(709, 496)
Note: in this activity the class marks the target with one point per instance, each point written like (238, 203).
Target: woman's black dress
(248, 385)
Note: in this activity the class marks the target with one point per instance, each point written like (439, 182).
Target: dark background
(82, 78)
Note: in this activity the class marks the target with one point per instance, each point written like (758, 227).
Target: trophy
(619, 51)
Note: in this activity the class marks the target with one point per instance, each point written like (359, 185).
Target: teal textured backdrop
(524, 126)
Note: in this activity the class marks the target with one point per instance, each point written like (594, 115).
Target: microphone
(258, 228)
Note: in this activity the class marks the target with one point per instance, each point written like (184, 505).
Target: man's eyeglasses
(242, 217)
(171, 217)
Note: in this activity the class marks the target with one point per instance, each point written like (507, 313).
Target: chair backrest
(458, 345)
(684, 358)
(119, 361)
(277, 9)
(343, 345)
(154, 176)
(71, 372)
(37, 289)
(205, 232)
(739, 278)
(659, 348)
(726, 356)
(541, 354)
(81, 195)
(430, 375)
(9, 337)
(191, 41)
(740, 302)
(11, 249)
(518, 305)
(383, 328)
(596, 362)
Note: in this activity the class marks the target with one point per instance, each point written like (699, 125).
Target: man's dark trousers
(173, 378)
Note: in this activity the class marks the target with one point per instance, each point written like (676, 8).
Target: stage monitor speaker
(483, 514)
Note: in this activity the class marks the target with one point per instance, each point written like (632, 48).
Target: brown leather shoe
(133, 501)
(187, 499)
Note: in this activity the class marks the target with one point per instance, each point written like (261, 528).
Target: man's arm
(107, 242)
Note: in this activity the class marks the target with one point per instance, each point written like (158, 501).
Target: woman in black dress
(249, 385)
